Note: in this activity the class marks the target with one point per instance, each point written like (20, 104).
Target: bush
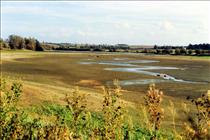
(113, 113)
(153, 101)
(201, 121)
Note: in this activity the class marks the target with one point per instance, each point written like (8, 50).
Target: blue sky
(136, 22)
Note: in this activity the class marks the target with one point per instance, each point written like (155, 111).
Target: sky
(109, 22)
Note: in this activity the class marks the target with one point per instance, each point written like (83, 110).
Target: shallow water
(109, 63)
(142, 71)
(121, 59)
(142, 61)
(119, 63)
(137, 82)
(129, 66)
(145, 82)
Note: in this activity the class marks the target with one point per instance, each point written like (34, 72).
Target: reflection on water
(129, 66)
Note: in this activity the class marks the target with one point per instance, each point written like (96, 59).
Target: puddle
(137, 82)
(118, 59)
(114, 63)
(117, 64)
(86, 63)
(144, 82)
(109, 63)
(142, 61)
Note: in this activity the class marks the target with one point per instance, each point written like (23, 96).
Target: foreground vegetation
(74, 121)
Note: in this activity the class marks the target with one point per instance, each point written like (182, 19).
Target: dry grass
(91, 83)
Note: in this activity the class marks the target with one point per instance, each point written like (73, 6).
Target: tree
(155, 47)
(197, 52)
(16, 42)
(177, 52)
(167, 51)
(30, 43)
(204, 52)
(158, 51)
(171, 51)
(183, 51)
(3, 44)
(38, 46)
(190, 52)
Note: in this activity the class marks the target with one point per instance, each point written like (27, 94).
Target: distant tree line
(204, 46)
(90, 47)
(196, 49)
(18, 42)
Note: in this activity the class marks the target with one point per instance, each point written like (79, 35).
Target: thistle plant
(56, 132)
(199, 128)
(153, 100)
(77, 104)
(113, 113)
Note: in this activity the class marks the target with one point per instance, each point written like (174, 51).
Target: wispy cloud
(135, 22)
